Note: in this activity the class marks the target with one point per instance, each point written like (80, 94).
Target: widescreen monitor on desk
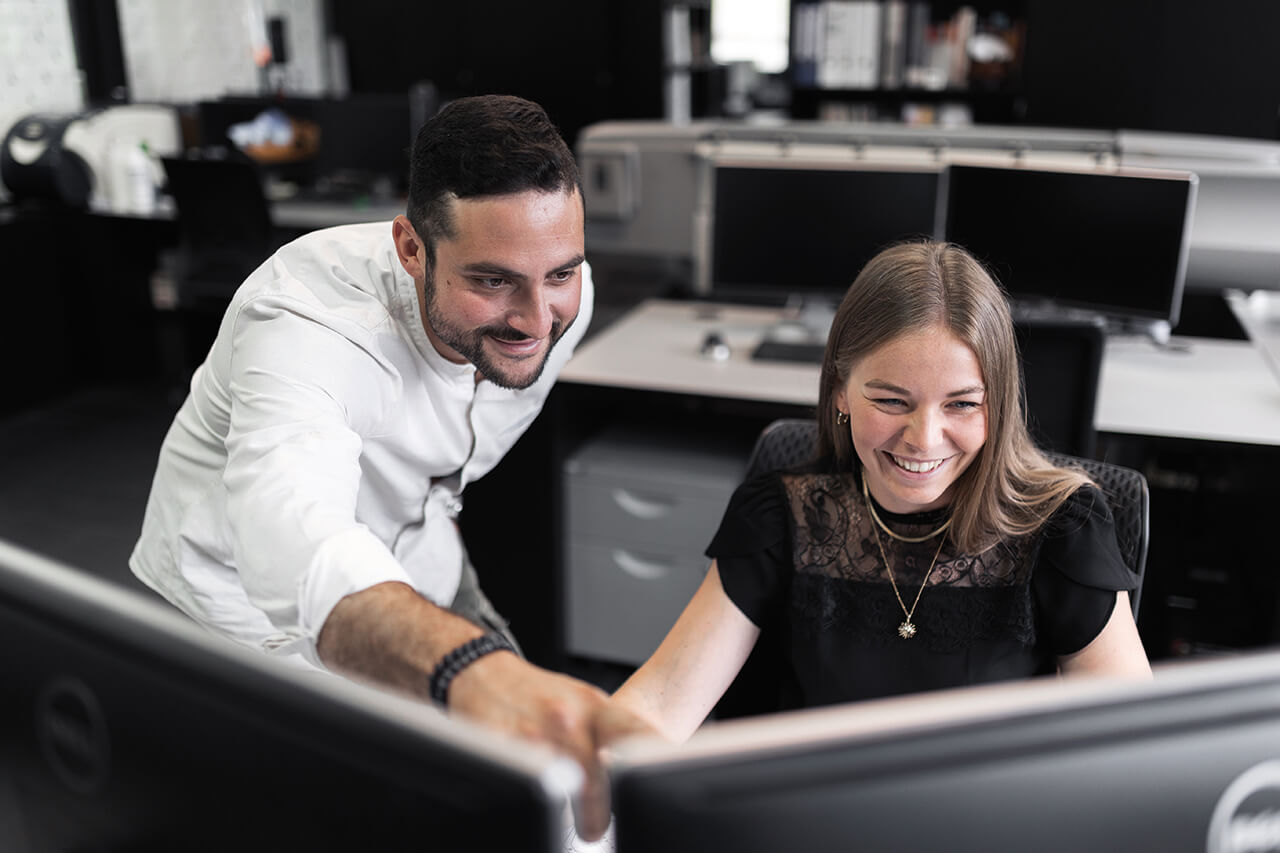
(1111, 243)
(124, 727)
(777, 231)
(1188, 762)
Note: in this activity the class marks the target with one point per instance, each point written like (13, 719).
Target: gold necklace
(907, 629)
(876, 518)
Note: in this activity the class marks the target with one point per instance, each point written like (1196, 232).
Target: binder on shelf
(916, 48)
(804, 43)
(893, 42)
(869, 34)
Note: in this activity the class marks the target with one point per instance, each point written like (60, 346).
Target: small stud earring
(842, 418)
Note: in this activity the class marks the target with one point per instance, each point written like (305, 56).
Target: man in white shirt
(305, 496)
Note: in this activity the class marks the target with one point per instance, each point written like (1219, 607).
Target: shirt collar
(410, 317)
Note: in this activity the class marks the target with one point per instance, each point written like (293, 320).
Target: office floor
(75, 472)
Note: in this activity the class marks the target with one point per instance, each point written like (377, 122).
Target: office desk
(290, 214)
(1201, 388)
(309, 215)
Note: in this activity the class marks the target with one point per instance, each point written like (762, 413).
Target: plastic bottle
(140, 175)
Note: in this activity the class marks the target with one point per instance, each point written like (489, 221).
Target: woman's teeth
(915, 467)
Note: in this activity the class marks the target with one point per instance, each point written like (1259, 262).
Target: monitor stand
(1156, 331)
(1159, 332)
(800, 335)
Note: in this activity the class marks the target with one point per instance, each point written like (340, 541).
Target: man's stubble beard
(470, 343)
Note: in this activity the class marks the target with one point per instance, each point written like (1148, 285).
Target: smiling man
(305, 499)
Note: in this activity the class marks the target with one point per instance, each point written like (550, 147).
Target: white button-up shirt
(324, 447)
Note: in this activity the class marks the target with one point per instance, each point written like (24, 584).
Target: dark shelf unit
(993, 92)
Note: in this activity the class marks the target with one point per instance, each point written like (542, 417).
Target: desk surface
(321, 214)
(1203, 389)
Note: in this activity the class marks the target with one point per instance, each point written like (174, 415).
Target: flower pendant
(906, 630)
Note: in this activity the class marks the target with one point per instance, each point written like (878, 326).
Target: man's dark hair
(481, 146)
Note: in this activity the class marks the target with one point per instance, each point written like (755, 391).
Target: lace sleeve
(751, 549)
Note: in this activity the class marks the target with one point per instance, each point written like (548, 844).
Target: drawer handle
(638, 568)
(640, 507)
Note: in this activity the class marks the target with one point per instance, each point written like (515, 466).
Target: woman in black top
(930, 545)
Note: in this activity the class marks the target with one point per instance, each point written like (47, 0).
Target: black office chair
(224, 233)
(793, 441)
(1061, 365)
(224, 226)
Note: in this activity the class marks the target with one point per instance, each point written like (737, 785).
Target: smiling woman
(930, 544)
(917, 416)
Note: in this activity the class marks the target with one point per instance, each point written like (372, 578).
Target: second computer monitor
(1108, 242)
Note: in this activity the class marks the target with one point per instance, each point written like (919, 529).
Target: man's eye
(491, 283)
(562, 276)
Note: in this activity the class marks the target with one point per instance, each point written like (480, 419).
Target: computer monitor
(1109, 242)
(779, 231)
(364, 140)
(1187, 762)
(123, 726)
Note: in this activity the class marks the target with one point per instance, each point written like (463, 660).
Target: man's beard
(469, 343)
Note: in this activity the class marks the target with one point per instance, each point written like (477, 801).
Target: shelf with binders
(907, 60)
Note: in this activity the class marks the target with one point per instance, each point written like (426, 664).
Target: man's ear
(409, 247)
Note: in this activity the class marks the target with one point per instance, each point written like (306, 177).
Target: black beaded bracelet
(460, 658)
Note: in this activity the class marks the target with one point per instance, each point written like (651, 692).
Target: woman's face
(918, 417)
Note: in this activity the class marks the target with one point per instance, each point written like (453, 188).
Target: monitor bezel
(712, 785)
(332, 722)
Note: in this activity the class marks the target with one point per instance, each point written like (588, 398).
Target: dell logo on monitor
(1247, 816)
(73, 735)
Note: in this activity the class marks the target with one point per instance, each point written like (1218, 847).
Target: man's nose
(532, 314)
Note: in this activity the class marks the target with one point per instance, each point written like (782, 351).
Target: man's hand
(392, 636)
(507, 693)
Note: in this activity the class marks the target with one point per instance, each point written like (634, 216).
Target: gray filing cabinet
(640, 511)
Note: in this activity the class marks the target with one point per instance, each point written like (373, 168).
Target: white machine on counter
(104, 159)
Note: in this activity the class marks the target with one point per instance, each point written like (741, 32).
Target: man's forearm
(391, 635)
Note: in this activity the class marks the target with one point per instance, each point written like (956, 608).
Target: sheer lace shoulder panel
(834, 535)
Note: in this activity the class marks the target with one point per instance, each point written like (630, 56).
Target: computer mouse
(714, 347)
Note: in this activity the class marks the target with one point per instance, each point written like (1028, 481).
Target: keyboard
(802, 352)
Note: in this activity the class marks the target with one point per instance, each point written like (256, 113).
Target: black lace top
(797, 554)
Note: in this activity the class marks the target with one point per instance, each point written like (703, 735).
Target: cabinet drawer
(636, 512)
(622, 601)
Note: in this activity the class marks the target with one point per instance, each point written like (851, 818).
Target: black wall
(583, 60)
(1183, 66)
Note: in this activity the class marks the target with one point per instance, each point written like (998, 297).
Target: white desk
(1215, 390)
(310, 214)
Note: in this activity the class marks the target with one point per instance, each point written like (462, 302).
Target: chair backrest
(1129, 497)
(1061, 366)
(791, 441)
(224, 219)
